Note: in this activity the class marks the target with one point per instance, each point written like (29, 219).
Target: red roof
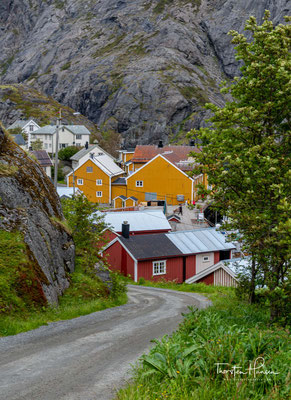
(178, 155)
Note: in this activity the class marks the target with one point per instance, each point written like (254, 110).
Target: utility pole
(59, 119)
(74, 182)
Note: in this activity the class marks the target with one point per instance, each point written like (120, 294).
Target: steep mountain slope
(143, 68)
(39, 249)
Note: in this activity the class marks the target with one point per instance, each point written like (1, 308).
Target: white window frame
(100, 194)
(138, 183)
(205, 259)
(161, 265)
(89, 172)
(100, 182)
(80, 182)
(78, 137)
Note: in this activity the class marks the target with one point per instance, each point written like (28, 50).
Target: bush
(66, 153)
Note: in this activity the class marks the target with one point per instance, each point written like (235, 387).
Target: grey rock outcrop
(29, 203)
(144, 68)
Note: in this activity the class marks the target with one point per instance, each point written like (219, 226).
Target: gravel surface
(88, 358)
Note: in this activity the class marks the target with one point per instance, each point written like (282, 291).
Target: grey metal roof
(200, 241)
(133, 198)
(50, 129)
(18, 139)
(121, 197)
(147, 220)
(119, 181)
(150, 246)
(83, 152)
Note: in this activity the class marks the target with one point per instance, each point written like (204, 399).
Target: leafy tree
(246, 153)
(86, 225)
(66, 153)
(18, 131)
(37, 145)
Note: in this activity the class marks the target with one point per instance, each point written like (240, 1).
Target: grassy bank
(86, 294)
(186, 365)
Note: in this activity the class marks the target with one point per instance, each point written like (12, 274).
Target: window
(159, 267)
(98, 194)
(89, 169)
(100, 154)
(99, 182)
(31, 128)
(205, 259)
(50, 145)
(78, 136)
(45, 146)
(139, 183)
(79, 181)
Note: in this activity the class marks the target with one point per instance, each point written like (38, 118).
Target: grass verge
(198, 361)
(86, 294)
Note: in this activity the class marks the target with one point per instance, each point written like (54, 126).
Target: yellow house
(94, 177)
(158, 179)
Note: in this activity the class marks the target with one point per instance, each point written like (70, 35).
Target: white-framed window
(138, 183)
(50, 145)
(80, 182)
(205, 259)
(78, 136)
(31, 128)
(89, 169)
(159, 267)
(99, 182)
(98, 194)
(45, 146)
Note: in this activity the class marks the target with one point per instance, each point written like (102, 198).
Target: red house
(175, 256)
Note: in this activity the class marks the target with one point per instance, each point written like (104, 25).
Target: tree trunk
(252, 297)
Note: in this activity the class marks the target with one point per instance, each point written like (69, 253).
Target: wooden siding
(216, 257)
(208, 280)
(190, 266)
(113, 256)
(174, 270)
(222, 278)
(160, 177)
(89, 187)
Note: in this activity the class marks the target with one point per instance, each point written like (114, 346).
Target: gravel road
(89, 357)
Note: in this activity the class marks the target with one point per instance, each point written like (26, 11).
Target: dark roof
(121, 197)
(173, 216)
(133, 198)
(119, 181)
(150, 246)
(18, 139)
(42, 157)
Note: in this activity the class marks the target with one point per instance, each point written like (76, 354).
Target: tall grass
(185, 365)
(86, 294)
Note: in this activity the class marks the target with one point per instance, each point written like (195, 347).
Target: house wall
(222, 278)
(118, 190)
(208, 280)
(136, 166)
(107, 237)
(113, 256)
(160, 177)
(216, 257)
(127, 156)
(174, 270)
(89, 187)
(202, 265)
(190, 266)
(130, 203)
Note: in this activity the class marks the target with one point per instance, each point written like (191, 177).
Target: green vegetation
(66, 153)
(20, 284)
(185, 365)
(110, 46)
(44, 109)
(36, 144)
(66, 66)
(22, 303)
(246, 156)
(8, 170)
(6, 64)
(85, 295)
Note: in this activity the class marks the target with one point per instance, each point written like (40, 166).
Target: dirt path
(88, 358)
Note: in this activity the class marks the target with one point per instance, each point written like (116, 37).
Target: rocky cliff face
(29, 203)
(143, 68)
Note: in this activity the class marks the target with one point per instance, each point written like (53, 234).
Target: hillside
(143, 68)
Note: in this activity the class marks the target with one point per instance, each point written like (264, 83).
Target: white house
(69, 135)
(89, 151)
(27, 126)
